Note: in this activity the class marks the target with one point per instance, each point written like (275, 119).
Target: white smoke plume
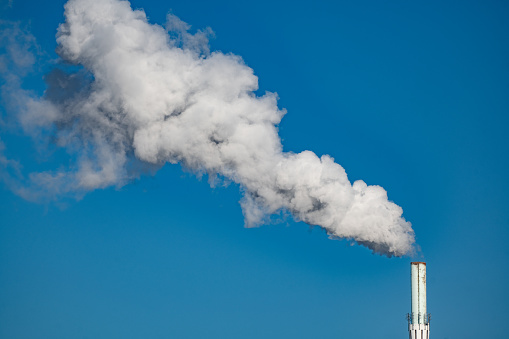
(149, 95)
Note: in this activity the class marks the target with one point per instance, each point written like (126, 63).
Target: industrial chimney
(418, 320)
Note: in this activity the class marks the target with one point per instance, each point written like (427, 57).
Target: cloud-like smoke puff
(152, 95)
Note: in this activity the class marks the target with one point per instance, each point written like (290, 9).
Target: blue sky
(409, 96)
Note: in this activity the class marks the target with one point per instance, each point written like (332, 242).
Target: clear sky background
(412, 96)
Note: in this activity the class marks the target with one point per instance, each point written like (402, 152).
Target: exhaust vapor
(145, 95)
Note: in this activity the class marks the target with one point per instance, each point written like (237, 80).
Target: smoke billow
(147, 95)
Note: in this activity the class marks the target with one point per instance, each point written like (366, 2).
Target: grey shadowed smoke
(149, 96)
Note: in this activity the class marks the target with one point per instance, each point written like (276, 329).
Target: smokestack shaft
(418, 274)
(418, 320)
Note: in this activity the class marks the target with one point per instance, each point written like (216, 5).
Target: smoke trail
(150, 95)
